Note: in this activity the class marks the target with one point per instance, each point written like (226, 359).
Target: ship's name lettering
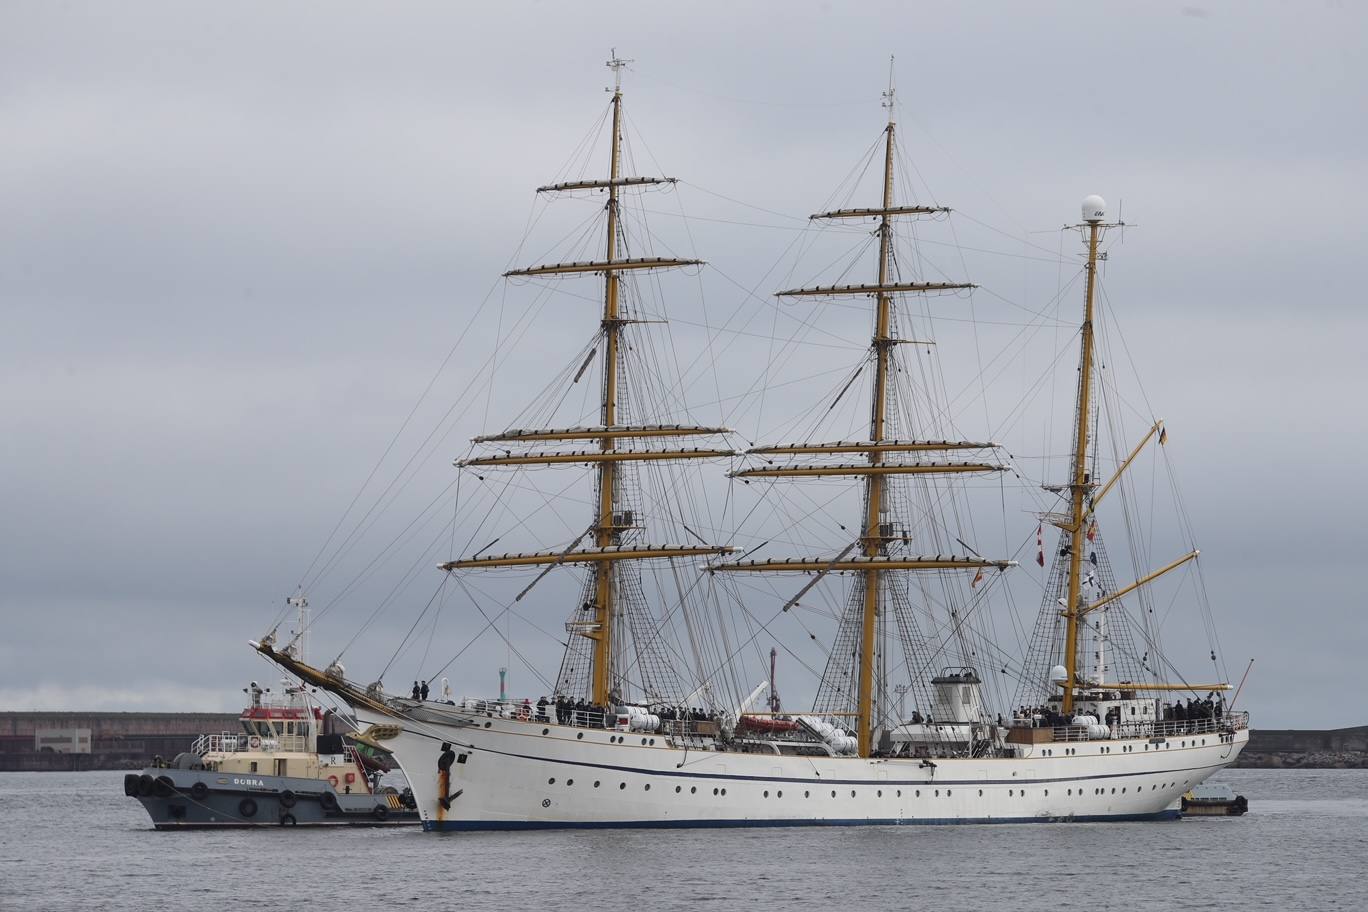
(258, 783)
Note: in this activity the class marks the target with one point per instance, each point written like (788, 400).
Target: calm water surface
(73, 841)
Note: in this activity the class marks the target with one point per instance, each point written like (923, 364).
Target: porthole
(852, 793)
(807, 794)
(579, 736)
(879, 793)
(678, 789)
(546, 731)
(779, 794)
(647, 787)
(980, 793)
(693, 789)
(833, 793)
(1070, 793)
(551, 781)
(949, 792)
(714, 791)
(1011, 793)
(622, 785)
(1113, 791)
(569, 781)
(766, 793)
(487, 724)
(937, 793)
(653, 740)
(918, 795)
(724, 792)
(899, 793)
(1047, 793)
(596, 783)
(643, 740)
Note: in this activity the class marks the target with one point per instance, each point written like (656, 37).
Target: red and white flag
(1092, 530)
(1040, 544)
(978, 578)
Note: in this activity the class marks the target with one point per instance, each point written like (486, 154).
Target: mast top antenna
(889, 95)
(617, 65)
(1094, 208)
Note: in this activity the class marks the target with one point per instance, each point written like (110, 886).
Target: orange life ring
(332, 780)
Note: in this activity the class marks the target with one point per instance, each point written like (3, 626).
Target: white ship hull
(512, 774)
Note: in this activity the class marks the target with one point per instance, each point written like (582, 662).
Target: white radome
(1094, 208)
(1059, 674)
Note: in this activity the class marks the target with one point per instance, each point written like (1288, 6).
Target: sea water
(72, 841)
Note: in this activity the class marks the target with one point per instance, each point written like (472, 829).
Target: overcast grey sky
(237, 240)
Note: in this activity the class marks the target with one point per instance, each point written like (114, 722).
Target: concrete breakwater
(100, 740)
(127, 740)
(1338, 748)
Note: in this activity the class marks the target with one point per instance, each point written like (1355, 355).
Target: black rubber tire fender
(288, 799)
(247, 808)
(163, 786)
(328, 801)
(380, 812)
(131, 785)
(144, 785)
(199, 791)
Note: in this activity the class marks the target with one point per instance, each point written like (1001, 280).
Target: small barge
(1213, 799)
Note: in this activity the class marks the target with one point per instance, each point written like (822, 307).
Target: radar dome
(1059, 674)
(1094, 208)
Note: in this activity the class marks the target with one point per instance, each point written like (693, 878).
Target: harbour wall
(128, 740)
(1288, 748)
(118, 740)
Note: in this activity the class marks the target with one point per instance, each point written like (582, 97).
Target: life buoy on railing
(332, 780)
(254, 742)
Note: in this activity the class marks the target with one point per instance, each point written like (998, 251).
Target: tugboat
(279, 770)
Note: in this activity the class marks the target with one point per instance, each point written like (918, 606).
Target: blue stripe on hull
(436, 826)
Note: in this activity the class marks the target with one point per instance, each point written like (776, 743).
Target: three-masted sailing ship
(615, 746)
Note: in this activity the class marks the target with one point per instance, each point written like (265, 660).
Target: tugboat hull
(203, 799)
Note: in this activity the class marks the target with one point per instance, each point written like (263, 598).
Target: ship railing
(235, 742)
(1230, 722)
(528, 710)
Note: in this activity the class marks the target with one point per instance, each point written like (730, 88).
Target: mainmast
(602, 635)
(877, 531)
(1080, 486)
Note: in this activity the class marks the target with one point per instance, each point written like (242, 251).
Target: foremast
(877, 533)
(610, 524)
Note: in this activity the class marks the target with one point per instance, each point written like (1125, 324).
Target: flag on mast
(1040, 544)
(978, 578)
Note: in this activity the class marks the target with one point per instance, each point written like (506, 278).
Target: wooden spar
(618, 432)
(1080, 485)
(1116, 476)
(592, 457)
(602, 556)
(883, 288)
(882, 212)
(608, 265)
(867, 446)
(1147, 578)
(865, 564)
(879, 468)
(603, 185)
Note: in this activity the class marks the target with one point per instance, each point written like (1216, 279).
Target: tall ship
(649, 724)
